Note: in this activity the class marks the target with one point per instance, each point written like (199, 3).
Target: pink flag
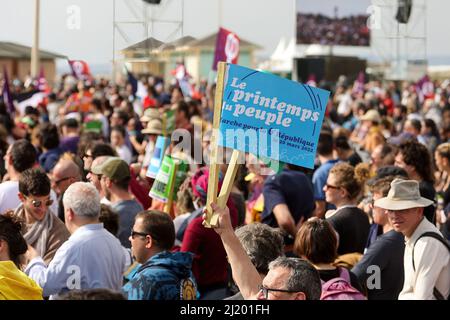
(42, 82)
(227, 47)
(80, 69)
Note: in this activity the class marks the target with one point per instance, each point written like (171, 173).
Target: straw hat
(154, 126)
(150, 114)
(404, 194)
(371, 115)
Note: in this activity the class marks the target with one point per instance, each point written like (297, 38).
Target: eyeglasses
(329, 186)
(38, 203)
(61, 180)
(265, 291)
(135, 233)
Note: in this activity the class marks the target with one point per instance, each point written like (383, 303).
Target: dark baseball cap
(387, 171)
(114, 168)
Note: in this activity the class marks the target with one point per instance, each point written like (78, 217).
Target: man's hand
(224, 224)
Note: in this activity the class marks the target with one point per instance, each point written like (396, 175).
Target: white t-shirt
(9, 198)
(124, 153)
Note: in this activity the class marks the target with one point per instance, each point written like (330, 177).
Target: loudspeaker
(403, 11)
(152, 1)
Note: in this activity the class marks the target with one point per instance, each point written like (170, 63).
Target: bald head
(66, 167)
(65, 173)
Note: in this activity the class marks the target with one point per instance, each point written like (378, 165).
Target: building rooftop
(15, 50)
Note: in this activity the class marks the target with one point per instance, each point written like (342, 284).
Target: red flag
(227, 47)
(312, 80)
(180, 72)
(80, 69)
(183, 77)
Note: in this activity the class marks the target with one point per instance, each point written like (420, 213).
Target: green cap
(114, 168)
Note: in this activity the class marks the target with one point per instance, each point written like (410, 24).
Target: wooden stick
(169, 203)
(227, 184)
(214, 165)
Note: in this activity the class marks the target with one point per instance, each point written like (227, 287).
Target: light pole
(35, 48)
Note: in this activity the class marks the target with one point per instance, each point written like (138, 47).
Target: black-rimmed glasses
(61, 180)
(135, 233)
(265, 291)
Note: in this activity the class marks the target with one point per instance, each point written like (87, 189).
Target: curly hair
(10, 231)
(417, 155)
(262, 243)
(350, 178)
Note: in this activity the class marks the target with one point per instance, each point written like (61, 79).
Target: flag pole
(35, 48)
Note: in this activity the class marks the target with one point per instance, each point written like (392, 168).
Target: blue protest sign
(158, 154)
(271, 116)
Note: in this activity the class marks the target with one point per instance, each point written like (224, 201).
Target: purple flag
(227, 47)
(7, 97)
(425, 88)
(358, 85)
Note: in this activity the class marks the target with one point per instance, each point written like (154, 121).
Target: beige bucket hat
(404, 194)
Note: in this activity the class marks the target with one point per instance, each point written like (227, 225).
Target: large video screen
(333, 22)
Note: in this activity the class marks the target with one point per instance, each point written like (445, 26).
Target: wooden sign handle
(214, 165)
(169, 203)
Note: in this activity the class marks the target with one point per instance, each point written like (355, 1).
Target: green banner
(169, 178)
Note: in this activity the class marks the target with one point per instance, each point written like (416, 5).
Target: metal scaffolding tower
(162, 21)
(401, 46)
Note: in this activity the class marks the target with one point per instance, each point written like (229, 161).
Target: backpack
(436, 292)
(340, 288)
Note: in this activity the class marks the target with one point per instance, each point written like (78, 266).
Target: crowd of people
(371, 221)
(324, 30)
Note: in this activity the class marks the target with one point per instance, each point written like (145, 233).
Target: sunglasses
(135, 233)
(329, 186)
(61, 180)
(265, 291)
(38, 203)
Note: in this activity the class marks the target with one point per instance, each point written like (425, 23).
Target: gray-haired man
(287, 278)
(91, 258)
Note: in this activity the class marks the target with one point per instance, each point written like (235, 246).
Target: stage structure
(160, 20)
(399, 37)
